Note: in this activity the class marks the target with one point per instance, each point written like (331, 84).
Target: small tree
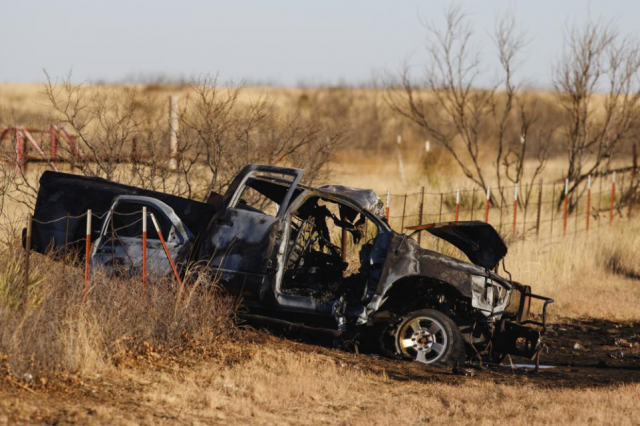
(463, 119)
(596, 59)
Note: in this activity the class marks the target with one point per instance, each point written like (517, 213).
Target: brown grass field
(101, 366)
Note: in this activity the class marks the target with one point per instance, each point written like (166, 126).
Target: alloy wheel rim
(424, 339)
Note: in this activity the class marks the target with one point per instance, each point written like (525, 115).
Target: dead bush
(57, 333)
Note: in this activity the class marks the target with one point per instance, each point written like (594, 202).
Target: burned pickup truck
(316, 258)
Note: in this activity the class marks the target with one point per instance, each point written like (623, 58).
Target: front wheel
(430, 337)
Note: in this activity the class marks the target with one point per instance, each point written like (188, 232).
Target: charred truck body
(322, 258)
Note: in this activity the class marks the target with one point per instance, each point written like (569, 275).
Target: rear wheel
(430, 337)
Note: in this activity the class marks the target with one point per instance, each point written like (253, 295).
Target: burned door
(241, 241)
(119, 247)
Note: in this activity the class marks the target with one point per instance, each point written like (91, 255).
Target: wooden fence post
(20, 149)
(173, 135)
(457, 204)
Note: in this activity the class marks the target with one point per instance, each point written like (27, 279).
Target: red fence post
(420, 211)
(588, 200)
(457, 204)
(486, 205)
(87, 257)
(166, 250)
(566, 206)
(144, 250)
(613, 197)
(386, 209)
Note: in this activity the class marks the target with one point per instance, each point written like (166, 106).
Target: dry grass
(277, 384)
(591, 275)
(58, 334)
(272, 382)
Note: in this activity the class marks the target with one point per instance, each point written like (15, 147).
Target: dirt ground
(591, 356)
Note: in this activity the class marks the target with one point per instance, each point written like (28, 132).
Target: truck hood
(479, 241)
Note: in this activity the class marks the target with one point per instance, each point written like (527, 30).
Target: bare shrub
(596, 59)
(475, 127)
(57, 333)
(123, 135)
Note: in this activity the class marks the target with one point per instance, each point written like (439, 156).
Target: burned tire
(430, 337)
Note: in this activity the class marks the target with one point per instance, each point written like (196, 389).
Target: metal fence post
(486, 206)
(588, 201)
(566, 206)
(420, 211)
(501, 209)
(144, 250)
(539, 210)
(386, 209)
(515, 209)
(524, 217)
(553, 206)
(87, 259)
(27, 254)
(404, 211)
(613, 197)
(473, 201)
(66, 245)
(166, 250)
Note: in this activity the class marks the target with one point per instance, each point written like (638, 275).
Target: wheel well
(411, 293)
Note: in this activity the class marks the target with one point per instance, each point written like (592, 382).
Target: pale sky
(269, 41)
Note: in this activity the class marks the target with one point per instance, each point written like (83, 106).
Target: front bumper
(518, 338)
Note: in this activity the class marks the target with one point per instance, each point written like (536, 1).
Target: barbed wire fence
(539, 211)
(134, 227)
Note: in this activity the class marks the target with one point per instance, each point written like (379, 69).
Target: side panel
(119, 247)
(405, 258)
(239, 247)
(61, 194)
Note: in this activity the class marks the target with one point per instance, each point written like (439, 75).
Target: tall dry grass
(53, 331)
(277, 385)
(590, 275)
